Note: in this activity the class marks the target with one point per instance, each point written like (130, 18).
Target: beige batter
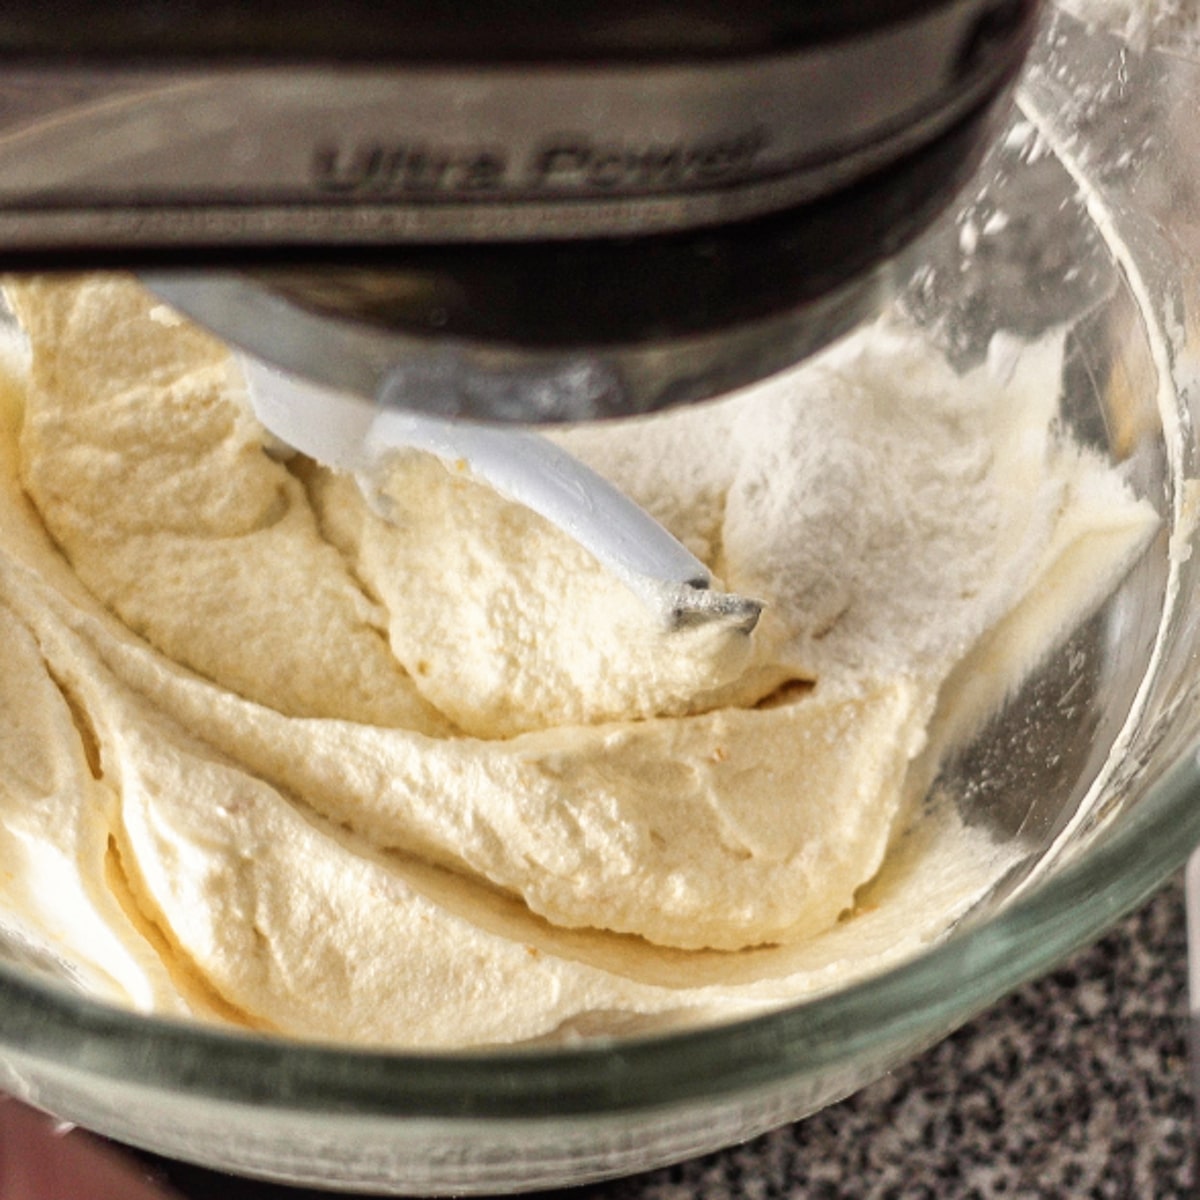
(439, 780)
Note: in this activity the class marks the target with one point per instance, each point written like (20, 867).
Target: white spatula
(347, 433)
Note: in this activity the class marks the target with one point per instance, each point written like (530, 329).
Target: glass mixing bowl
(1086, 217)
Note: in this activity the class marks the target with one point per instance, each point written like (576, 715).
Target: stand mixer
(587, 210)
(656, 296)
(537, 217)
(347, 291)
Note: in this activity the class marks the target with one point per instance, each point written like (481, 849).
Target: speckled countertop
(1076, 1086)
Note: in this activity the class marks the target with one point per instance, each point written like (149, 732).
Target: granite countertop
(1075, 1086)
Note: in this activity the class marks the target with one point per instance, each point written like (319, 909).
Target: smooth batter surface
(439, 780)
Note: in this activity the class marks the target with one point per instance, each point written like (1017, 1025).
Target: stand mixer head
(578, 211)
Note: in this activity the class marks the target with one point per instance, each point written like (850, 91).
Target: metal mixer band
(341, 153)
